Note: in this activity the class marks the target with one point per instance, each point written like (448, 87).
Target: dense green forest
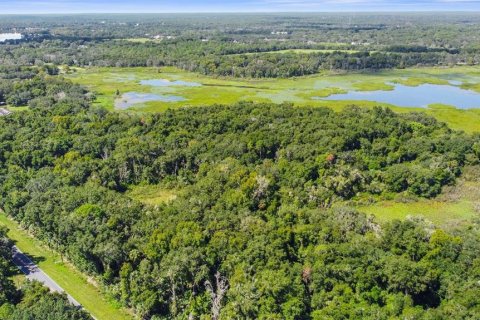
(448, 30)
(226, 45)
(19, 85)
(260, 227)
(222, 58)
(261, 220)
(33, 301)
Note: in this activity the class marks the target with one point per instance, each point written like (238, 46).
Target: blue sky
(78, 6)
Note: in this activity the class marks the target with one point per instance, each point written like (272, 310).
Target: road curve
(33, 272)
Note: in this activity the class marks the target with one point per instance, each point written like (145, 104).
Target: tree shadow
(25, 262)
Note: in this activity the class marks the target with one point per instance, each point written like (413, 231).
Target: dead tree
(217, 296)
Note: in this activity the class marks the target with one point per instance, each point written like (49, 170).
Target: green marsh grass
(300, 91)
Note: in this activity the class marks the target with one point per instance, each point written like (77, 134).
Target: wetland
(450, 94)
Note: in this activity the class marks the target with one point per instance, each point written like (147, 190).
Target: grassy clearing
(466, 120)
(413, 82)
(299, 91)
(71, 280)
(456, 205)
(436, 211)
(153, 194)
(17, 109)
(141, 40)
(373, 86)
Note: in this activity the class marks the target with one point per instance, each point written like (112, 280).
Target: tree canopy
(260, 227)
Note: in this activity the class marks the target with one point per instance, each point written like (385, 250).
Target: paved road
(33, 272)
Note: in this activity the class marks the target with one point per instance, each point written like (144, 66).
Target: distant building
(10, 36)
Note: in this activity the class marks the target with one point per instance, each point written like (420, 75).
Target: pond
(420, 96)
(131, 98)
(10, 36)
(168, 83)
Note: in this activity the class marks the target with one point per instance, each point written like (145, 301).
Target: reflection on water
(131, 98)
(168, 83)
(420, 96)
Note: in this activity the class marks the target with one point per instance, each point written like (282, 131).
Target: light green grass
(456, 205)
(413, 81)
(465, 120)
(436, 211)
(141, 40)
(300, 51)
(300, 91)
(17, 109)
(18, 280)
(326, 92)
(152, 194)
(471, 86)
(373, 86)
(71, 280)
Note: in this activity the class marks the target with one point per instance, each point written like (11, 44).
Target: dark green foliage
(259, 229)
(33, 301)
(8, 293)
(242, 46)
(20, 86)
(258, 186)
(223, 58)
(39, 304)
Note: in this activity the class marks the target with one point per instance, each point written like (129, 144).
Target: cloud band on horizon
(124, 6)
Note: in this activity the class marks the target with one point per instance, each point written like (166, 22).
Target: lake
(132, 98)
(10, 36)
(420, 96)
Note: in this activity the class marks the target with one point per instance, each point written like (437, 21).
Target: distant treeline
(254, 60)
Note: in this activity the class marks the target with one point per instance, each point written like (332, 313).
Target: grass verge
(71, 280)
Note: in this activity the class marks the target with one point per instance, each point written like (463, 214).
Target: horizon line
(244, 12)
